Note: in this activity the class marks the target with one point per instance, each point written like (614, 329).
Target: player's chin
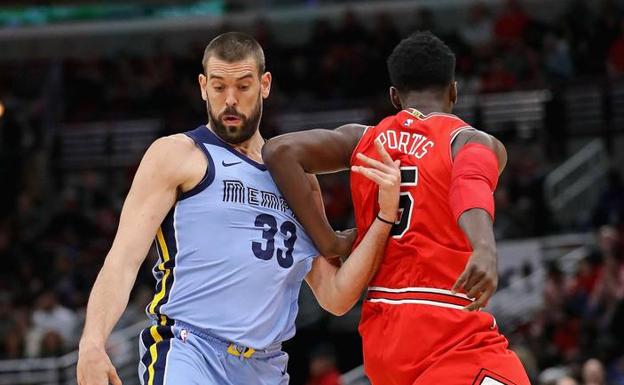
(233, 130)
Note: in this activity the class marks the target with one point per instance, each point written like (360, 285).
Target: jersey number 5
(287, 229)
(409, 178)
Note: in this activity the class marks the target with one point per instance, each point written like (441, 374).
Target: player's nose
(230, 98)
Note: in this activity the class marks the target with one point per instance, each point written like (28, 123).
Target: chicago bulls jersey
(426, 247)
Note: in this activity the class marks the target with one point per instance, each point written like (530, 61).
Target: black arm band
(385, 221)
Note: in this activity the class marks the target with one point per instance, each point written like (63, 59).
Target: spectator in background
(9, 345)
(354, 42)
(567, 380)
(385, 37)
(323, 369)
(606, 29)
(52, 345)
(615, 57)
(497, 78)
(557, 58)
(610, 287)
(610, 207)
(588, 271)
(50, 316)
(478, 32)
(424, 20)
(511, 23)
(593, 372)
(615, 374)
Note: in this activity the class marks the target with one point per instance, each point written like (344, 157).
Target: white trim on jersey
(415, 301)
(454, 135)
(420, 116)
(491, 381)
(418, 290)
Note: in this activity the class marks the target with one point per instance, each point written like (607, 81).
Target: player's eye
(243, 87)
(218, 88)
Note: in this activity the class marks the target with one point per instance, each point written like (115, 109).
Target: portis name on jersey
(408, 143)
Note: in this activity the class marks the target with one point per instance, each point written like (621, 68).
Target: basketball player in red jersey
(421, 323)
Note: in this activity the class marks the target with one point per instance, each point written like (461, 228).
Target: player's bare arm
(170, 165)
(337, 289)
(480, 277)
(289, 157)
(349, 236)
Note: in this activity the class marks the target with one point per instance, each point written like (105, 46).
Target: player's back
(427, 248)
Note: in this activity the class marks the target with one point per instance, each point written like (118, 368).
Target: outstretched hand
(387, 175)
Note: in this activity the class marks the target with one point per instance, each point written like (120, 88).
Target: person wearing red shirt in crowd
(615, 59)
(323, 370)
(420, 322)
(510, 25)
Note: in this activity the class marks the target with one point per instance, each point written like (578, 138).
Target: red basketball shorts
(422, 337)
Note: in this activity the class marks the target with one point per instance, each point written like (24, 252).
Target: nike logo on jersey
(229, 164)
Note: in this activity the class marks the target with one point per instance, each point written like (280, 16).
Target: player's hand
(387, 175)
(479, 279)
(95, 368)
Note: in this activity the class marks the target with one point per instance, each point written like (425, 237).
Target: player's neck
(252, 147)
(426, 102)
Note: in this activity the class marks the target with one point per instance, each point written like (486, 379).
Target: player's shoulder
(474, 136)
(172, 154)
(170, 148)
(450, 121)
(352, 130)
(351, 134)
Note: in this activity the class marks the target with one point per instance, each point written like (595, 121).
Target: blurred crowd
(56, 226)
(575, 336)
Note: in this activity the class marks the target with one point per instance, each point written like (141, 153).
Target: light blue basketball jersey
(232, 254)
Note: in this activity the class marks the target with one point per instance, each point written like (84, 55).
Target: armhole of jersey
(453, 136)
(357, 146)
(209, 175)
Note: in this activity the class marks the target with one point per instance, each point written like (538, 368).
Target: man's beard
(236, 134)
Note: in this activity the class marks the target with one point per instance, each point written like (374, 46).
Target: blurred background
(86, 86)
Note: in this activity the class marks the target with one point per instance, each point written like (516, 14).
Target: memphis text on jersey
(235, 191)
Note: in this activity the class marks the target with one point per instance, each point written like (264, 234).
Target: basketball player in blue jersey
(232, 256)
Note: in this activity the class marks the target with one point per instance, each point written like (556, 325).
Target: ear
(265, 84)
(395, 99)
(453, 93)
(203, 81)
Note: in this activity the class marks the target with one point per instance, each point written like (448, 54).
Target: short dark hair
(234, 46)
(421, 61)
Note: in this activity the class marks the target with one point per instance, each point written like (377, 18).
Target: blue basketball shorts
(185, 355)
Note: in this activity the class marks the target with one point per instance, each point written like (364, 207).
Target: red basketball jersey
(426, 248)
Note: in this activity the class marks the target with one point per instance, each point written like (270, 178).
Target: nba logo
(408, 122)
(183, 335)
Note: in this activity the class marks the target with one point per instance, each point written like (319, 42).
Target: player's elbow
(275, 151)
(337, 309)
(339, 304)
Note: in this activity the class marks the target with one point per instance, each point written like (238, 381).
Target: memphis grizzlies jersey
(232, 256)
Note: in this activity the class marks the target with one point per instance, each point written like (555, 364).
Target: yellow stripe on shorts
(165, 255)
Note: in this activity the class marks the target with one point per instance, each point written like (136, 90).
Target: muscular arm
(151, 196)
(289, 157)
(337, 288)
(480, 277)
